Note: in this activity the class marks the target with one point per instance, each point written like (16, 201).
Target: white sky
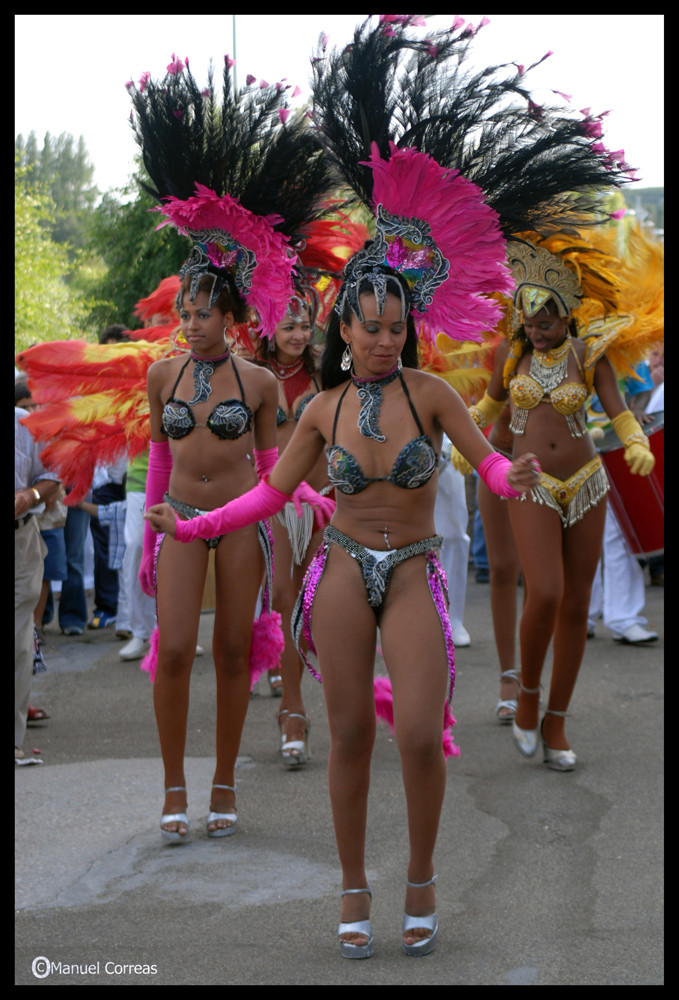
(71, 69)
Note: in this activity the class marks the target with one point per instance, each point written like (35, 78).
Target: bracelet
(38, 498)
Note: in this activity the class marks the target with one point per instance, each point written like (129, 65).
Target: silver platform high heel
(296, 752)
(525, 740)
(174, 836)
(347, 948)
(430, 923)
(509, 703)
(558, 760)
(230, 817)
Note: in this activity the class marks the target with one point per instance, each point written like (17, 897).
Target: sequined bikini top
(281, 415)
(229, 420)
(414, 465)
(566, 397)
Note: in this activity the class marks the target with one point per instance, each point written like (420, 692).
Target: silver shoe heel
(510, 703)
(230, 817)
(558, 760)
(525, 740)
(296, 752)
(430, 923)
(347, 948)
(174, 836)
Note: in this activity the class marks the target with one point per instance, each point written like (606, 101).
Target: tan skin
(292, 335)
(558, 565)
(345, 631)
(206, 473)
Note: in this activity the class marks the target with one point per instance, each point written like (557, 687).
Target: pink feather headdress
(227, 236)
(435, 228)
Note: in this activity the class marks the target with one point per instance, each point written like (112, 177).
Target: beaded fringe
(592, 491)
(299, 529)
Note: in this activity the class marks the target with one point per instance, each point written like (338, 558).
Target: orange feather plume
(93, 404)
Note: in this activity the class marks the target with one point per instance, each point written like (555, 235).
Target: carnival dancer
(403, 133)
(237, 178)
(615, 268)
(292, 355)
(548, 373)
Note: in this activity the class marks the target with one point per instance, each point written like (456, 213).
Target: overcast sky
(71, 69)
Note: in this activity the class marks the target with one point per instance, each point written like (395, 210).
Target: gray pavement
(544, 878)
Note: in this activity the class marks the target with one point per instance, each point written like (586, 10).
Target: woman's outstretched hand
(524, 473)
(162, 518)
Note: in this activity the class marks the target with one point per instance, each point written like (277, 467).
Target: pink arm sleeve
(265, 459)
(493, 470)
(157, 482)
(257, 504)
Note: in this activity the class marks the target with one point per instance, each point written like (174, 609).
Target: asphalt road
(544, 878)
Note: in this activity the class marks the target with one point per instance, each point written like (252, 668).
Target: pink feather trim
(464, 228)
(266, 649)
(150, 661)
(272, 286)
(268, 643)
(384, 709)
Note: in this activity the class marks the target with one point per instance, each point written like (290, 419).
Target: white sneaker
(636, 634)
(199, 650)
(134, 649)
(461, 636)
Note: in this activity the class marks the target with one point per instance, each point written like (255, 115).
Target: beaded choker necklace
(549, 368)
(203, 370)
(294, 378)
(282, 371)
(370, 395)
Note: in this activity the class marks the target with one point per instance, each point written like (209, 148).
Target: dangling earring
(400, 364)
(345, 363)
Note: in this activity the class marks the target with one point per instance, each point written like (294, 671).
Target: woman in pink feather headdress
(432, 154)
(238, 179)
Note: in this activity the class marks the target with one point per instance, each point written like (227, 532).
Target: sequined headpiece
(541, 276)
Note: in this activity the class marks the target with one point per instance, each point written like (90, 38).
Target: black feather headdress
(238, 173)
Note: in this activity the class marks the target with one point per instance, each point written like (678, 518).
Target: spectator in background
(108, 487)
(33, 486)
(116, 333)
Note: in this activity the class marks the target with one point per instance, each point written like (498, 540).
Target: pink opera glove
(323, 507)
(157, 482)
(265, 459)
(256, 505)
(493, 470)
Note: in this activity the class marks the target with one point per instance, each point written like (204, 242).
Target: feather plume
(464, 229)
(93, 404)
(161, 304)
(539, 167)
(384, 710)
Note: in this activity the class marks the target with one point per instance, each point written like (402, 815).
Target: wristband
(493, 470)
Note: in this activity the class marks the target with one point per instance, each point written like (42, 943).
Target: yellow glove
(638, 454)
(487, 410)
(460, 463)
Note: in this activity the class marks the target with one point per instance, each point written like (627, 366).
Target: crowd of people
(321, 471)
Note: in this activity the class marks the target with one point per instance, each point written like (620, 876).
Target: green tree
(62, 170)
(136, 256)
(45, 307)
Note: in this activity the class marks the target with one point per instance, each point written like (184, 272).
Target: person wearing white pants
(451, 518)
(140, 608)
(618, 591)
